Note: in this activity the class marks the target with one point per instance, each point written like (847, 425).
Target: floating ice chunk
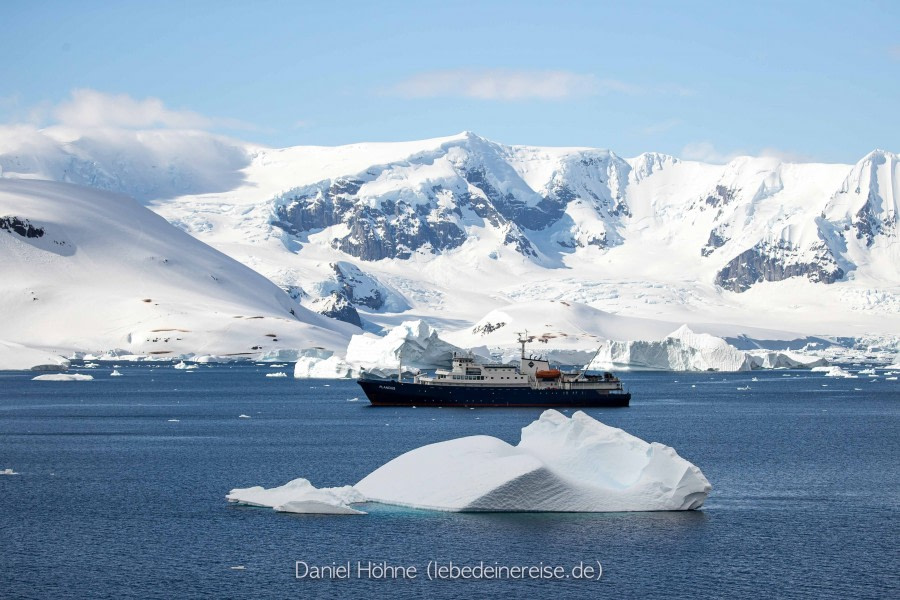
(184, 365)
(322, 364)
(835, 371)
(561, 464)
(416, 342)
(681, 350)
(8, 472)
(278, 374)
(174, 421)
(300, 496)
(892, 378)
(63, 377)
(115, 373)
(243, 416)
(784, 360)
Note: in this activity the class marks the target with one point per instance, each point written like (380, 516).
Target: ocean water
(115, 501)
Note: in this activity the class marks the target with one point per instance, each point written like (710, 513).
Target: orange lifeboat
(548, 374)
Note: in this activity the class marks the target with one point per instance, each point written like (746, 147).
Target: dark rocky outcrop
(337, 306)
(21, 227)
(768, 262)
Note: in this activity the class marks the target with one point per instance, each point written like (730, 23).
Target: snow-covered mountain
(92, 271)
(451, 228)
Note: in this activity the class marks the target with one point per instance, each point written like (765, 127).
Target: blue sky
(807, 80)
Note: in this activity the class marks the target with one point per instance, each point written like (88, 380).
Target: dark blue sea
(115, 501)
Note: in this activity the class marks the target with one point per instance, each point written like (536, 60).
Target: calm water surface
(115, 501)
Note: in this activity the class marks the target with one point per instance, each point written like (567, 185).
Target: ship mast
(523, 339)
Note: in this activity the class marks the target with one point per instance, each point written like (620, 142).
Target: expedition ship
(470, 384)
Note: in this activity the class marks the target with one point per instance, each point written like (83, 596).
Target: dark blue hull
(392, 393)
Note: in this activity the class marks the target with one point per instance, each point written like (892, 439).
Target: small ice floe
(174, 421)
(755, 379)
(63, 377)
(326, 385)
(91, 365)
(301, 497)
(892, 378)
(184, 365)
(857, 389)
(835, 371)
(243, 416)
(278, 366)
(744, 389)
(115, 373)
(237, 568)
(354, 399)
(277, 374)
(867, 372)
(8, 472)
(693, 385)
(824, 385)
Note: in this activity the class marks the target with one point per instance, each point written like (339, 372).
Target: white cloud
(707, 152)
(90, 108)
(87, 108)
(503, 84)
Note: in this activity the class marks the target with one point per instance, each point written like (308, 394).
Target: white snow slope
(751, 243)
(85, 270)
(16, 357)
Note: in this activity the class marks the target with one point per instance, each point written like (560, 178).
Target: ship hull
(393, 393)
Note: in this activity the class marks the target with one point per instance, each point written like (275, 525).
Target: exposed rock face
(716, 240)
(21, 227)
(337, 306)
(357, 287)
(426, 204)
(775, 262)
(719, 197)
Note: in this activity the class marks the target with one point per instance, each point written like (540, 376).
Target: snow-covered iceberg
(322, 364)
(762, 359)
(834, 371)
(63, 377)
(300, 496)
(416, 342)
(681, 350)
(561, 464)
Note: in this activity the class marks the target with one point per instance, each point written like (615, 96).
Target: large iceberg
(763, 359)
(318, 363)
(561, 464)
(415, 342)
(681, 350)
